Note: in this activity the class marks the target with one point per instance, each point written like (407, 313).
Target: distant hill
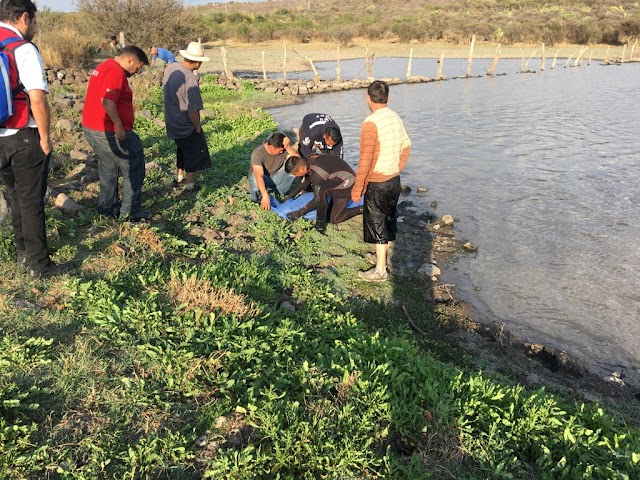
(613, 22)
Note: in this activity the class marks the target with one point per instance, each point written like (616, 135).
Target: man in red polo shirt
(107, 120)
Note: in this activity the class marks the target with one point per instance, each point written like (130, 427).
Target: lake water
(543, 171)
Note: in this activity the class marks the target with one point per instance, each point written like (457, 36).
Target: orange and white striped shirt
(384, 148)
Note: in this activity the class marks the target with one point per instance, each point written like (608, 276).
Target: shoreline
(489, 340)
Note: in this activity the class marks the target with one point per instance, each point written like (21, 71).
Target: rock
(422, 189)
(447, 220)
(66, 125)
(405, 189)
(286, 305)
(202, 441)
(65, 204)
(5, 210)
(470, 247)
(26, 304)
(532, 380)
(430, 269)
(220, 421)
(89, 177)
(434, 204)
(79, 155)
(79, 169)
(436, 227)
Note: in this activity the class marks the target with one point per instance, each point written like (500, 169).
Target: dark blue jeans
(118, 158)
(24, 168)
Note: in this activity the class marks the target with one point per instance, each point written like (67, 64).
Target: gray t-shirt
(270, 163)
(181, 96)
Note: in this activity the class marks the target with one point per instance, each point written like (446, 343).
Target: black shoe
(52, 270)
(138, 216)
(321, 227)
(109, 213)
(22, 260)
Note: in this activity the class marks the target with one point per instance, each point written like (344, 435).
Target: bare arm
(42, 116)
(287, 145)
(368, 142)
(112, 110)
(258, 171)
(194, 116)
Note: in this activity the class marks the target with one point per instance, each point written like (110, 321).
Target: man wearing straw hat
(182, 105)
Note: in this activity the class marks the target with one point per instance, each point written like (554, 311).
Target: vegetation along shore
(220, 341)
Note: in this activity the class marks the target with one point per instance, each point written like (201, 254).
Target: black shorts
(380, 202)
(193, 153)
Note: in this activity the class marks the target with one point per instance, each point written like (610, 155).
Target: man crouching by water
(384, 151)
(269, 169)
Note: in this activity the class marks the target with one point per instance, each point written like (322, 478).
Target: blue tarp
(297, 203)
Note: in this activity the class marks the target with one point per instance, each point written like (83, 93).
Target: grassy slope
(167, 353)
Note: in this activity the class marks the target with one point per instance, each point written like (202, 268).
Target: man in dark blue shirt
(319, 132)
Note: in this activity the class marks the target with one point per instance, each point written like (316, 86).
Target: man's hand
(355, 197)
(46, 146)
(286, 142)
(265, 202)
(120, 133)
(294, 215)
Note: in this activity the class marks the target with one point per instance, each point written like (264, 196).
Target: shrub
(144, 22)
(66, 48)
(343, 35)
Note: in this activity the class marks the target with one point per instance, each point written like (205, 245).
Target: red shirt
(108, 80)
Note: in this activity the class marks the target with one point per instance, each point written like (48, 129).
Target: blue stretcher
(297, 203)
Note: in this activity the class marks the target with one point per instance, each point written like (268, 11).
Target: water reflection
(543, 170)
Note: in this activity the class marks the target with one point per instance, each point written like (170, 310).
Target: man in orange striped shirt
(384, 151)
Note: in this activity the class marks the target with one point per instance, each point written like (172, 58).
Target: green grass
(161, 339)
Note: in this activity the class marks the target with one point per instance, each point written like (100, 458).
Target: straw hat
(194, 52)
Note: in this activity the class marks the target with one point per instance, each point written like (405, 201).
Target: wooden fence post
(633, 49)
(578, 61)
(409, 65)
(526, 65)
(123, 43)
(440, 62)
(470, 59)
(227, 70)
(624, 49)
(494, 64)
(284, 60)
(316, 75)
(555, 57)
(369, 62)
(542, 59)
(568, 60)
(590, 56)
(338, 65)
(606, 55)
(264, 68)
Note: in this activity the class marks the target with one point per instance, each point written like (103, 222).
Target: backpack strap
(19, 88)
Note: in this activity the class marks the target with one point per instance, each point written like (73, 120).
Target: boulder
(65, 204)
(447, 220)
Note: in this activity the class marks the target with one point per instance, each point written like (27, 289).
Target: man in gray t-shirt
(268, 169)
(182, 105)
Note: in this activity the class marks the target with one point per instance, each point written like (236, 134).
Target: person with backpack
(25, 142)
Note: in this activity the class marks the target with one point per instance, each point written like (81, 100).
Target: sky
(69, 5)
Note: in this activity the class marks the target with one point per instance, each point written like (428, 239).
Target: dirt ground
(246, 57)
